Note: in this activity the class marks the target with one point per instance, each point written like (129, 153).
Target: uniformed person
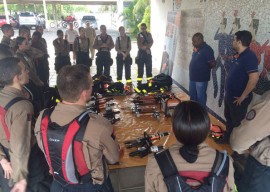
(18, 144)
(99, 146)
(191, 125)
(43, 70)
(41, 30)
(70, 36)
(252, 137)
(91, 34)
(8, 32)
(62, 48)
(82, 48)
(35, 84)
(123, 47)
(103, 43)
(4, 53)
(144, 56)
(14, 75)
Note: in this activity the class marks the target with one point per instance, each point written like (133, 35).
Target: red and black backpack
(62, 146)
(3, 111)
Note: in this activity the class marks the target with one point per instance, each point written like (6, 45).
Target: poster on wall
(171, 36)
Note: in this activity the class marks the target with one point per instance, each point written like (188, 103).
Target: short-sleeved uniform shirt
(240, 68)
(199, 69)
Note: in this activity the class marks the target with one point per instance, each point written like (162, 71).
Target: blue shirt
(240, 68)
(199, 69)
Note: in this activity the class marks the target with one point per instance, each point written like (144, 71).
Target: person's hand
(104, 45)
(19, 186)
(239, 100)
(6, 168)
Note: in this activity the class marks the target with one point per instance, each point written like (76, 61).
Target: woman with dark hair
(193, 158)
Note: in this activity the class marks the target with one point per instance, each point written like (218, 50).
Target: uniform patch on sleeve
(251, 115)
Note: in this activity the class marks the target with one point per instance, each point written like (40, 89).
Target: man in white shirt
(70, 36)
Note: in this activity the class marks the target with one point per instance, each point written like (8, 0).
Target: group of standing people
(84, 44)
(246, 119)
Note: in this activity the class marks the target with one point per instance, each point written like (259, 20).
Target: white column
(120, 9)
(45, 13)
(6, 11)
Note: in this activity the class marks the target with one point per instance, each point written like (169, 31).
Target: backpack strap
(3, 111)
(145, 38)
(88, 46)
(166, 164)
(221, 162)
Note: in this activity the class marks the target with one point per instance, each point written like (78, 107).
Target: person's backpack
(162, 81)
(3, 111)
(176, 183)
(62, 146)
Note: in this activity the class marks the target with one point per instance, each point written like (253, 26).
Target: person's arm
(111, 149)
(75, 48)
(34, 53)
(57, 46)
(150, 41)
(20, 136)
(66, 35)
(252, 82)
(6, 166)
(253, 128)
(111, 43)
(117, 45)
(139, 41)
(95, 44)
(129, 46)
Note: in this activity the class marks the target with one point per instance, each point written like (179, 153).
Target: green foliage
(138, 12)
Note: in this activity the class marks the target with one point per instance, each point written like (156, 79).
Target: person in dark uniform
(144, 56)
(98, 145)
(62, 48)
(103, 43)
(82, 49)
(123, 47)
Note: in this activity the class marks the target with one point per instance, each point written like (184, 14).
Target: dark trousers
(103, 62)
(43, 70)
(61, 61)
(120, 64)
(234, 114)
(83, 58)
(39, 179)
(255, 178)
(87, 187)
(145, 60)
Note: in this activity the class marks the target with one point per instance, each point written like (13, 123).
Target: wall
(218, 20)
(159, 12)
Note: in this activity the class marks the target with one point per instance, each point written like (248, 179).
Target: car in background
(28, 19)
(13, 22)
(91, 19)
